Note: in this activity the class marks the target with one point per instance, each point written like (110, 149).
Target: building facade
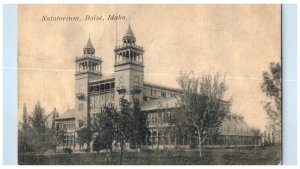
(94, 91)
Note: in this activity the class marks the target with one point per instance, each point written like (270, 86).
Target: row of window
(150, 91)
(69, 141)
(69, 125)
(102, 87)
(164, 117)
(102, 100)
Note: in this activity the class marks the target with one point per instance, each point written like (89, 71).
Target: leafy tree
(139, 126)
(53, 133)
(23, 134)
(201, 99)
(25, 118)
(60, 135)
(123, 125)
(84, 135)
(104, 126)
(271, 86)
(39, 118)
(54, 116)
(39, 129)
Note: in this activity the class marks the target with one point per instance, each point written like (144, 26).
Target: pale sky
(240, 40)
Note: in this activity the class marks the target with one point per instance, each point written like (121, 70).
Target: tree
(54, 116)
(139, 126)
(39, 140)
(271, 86)
(84, 135)
(23, 134)
(202, 101)
(104, 126)
(123, 125)
(60, 135)
(25, 118)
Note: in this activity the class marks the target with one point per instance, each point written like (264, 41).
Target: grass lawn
(218, 156)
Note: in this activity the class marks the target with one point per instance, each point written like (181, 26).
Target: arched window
(136, 81)
(163, 118)
(121, 81)
(169, 117)
(149, 118)
(152, 118)
(81, 90)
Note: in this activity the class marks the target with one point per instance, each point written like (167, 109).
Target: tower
(129, 69)
(88, 66)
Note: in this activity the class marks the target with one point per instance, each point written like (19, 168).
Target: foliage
(104, 126)
(123, 125)
(201, 99)
(256, 135)
(60, 135)
(139, 126)
(25, 118)
(271, 86)
(83, 136)
(23, 134)
(54, 116)
(40, 134)
(36, 135)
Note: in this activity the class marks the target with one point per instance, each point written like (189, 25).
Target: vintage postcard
(149, 84)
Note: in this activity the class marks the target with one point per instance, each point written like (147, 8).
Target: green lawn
(230, 156)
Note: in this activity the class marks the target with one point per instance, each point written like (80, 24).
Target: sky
(239, 40)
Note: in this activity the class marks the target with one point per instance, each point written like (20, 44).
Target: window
(101, 87)
(163, 94)
(112, 85)
(91, 88)
(163, 118)
(121, 81)
(152, 118)
(136, 81)
(80, 106)
(81, 88)
(149, 118)
(70, 125)
(92, 102)
(97, 102)
(136, 102)
(96, 88)
(169, 117)
(107, 86)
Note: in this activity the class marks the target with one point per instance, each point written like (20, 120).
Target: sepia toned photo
(149, 85)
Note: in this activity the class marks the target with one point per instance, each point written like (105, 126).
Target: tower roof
(129, 33)
(89, 44)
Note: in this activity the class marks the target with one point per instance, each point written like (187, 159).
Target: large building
(94, 91)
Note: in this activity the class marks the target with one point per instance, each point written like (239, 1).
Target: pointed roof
(89, 44)
(129, 32)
